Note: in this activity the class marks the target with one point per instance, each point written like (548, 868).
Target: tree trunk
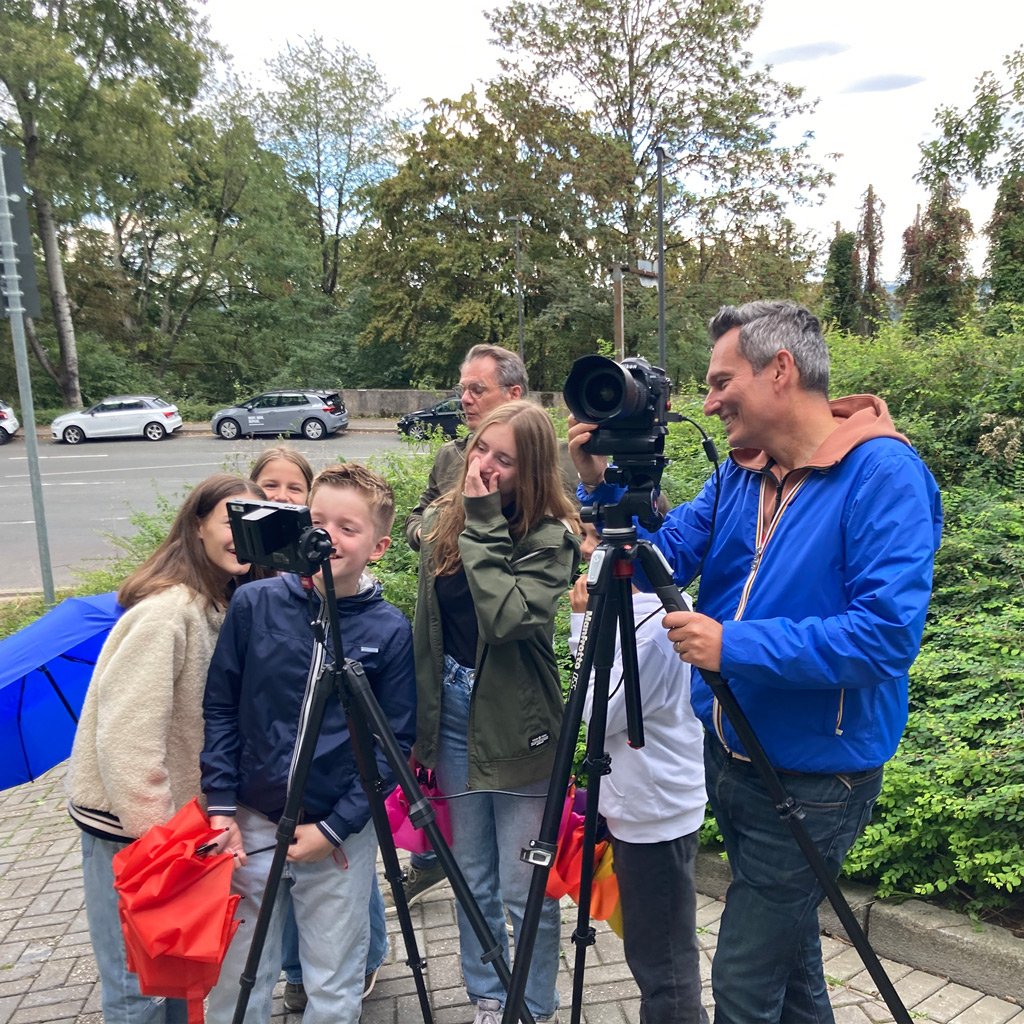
(40, 353)
(68, 381)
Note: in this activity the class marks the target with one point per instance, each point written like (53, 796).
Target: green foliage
(938, 389)
(950, 814)
(1006, 244)
(407, 472)
(841, 287)
(938, 290)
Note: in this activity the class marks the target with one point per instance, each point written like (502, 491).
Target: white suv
(8, 423)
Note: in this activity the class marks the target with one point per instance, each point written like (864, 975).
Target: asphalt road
(90, 491)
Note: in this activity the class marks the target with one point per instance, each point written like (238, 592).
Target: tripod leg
(373, 787)
(541, 851)
(598, 763)
(421, 814)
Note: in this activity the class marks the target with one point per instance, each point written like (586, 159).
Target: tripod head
(641, 476)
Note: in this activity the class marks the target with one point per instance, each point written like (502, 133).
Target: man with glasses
(490, 376)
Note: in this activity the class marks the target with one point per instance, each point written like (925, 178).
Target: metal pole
(519, 292)
(12, 285)
(619, 326)
(661, 257)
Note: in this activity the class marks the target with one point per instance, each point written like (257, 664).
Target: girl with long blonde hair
(498, 552)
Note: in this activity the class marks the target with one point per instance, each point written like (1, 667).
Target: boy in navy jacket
(257, 699)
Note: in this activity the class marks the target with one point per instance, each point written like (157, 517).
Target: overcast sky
(879, 67)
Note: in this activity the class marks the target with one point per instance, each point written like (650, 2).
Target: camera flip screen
(271, 535)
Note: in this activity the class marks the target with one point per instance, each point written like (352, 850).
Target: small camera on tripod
(276, 536)
(629, 402)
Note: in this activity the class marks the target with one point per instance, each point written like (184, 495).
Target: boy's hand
(310, 845)
(578, 595)
(230, 840)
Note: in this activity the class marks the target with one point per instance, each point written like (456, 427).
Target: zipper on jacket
(760, 543)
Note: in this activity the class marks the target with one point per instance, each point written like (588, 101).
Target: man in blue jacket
(812, 604)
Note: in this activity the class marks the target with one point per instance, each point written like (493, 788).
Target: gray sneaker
(418, 882)
(488, 1011)
(294, 997)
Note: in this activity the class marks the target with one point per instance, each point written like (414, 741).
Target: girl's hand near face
(475, 486)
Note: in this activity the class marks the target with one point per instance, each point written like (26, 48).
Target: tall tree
(938, 289)
(441, 257)
(985, 142)
(1006, 243)
(874, 299)
(327, 116)
(62, 65)
(671, 73)
(841, 286)
(189, 253)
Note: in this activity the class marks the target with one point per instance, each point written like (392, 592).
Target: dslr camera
(629, 402)
(276, 536)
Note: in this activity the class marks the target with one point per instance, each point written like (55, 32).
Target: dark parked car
(310, 412)
(446, 416)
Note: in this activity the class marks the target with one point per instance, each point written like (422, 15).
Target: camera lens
(600, 389)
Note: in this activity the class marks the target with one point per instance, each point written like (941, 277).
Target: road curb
(360, 426)
(913, 932)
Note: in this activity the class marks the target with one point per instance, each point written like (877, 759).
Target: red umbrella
(176, 907)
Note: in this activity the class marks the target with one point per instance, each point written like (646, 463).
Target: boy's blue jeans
(488, 832)
(330, 899)
(122, 1001)
(767, 965)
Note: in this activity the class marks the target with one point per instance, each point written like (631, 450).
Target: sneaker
(294, 997)
(369, 981)
(418, 882)
(488, 1011)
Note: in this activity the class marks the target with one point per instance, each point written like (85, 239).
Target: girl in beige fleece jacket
(135, 760)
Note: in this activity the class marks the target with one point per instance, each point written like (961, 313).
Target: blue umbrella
(45, 670)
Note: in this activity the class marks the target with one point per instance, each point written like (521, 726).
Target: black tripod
(366, 722)
(609, 585)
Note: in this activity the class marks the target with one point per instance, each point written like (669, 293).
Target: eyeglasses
(476, 390)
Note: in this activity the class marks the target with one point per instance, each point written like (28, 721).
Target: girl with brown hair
(135, 760)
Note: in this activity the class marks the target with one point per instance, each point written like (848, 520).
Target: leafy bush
(949, 818)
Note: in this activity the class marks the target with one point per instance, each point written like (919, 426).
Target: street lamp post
(519, 287)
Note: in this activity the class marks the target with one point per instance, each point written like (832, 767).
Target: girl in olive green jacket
(498, 552)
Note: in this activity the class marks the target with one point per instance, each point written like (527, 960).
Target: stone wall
(392, 404)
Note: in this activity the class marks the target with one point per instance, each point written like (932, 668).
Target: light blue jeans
(378, 950)
(122, 1001)
(488, 832)
(330, 899)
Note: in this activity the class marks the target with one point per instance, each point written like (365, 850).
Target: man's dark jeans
(767, 967)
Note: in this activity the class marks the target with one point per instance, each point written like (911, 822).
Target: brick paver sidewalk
(47, 972)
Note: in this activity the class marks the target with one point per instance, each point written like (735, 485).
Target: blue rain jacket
(259, 688)
(823, 614)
